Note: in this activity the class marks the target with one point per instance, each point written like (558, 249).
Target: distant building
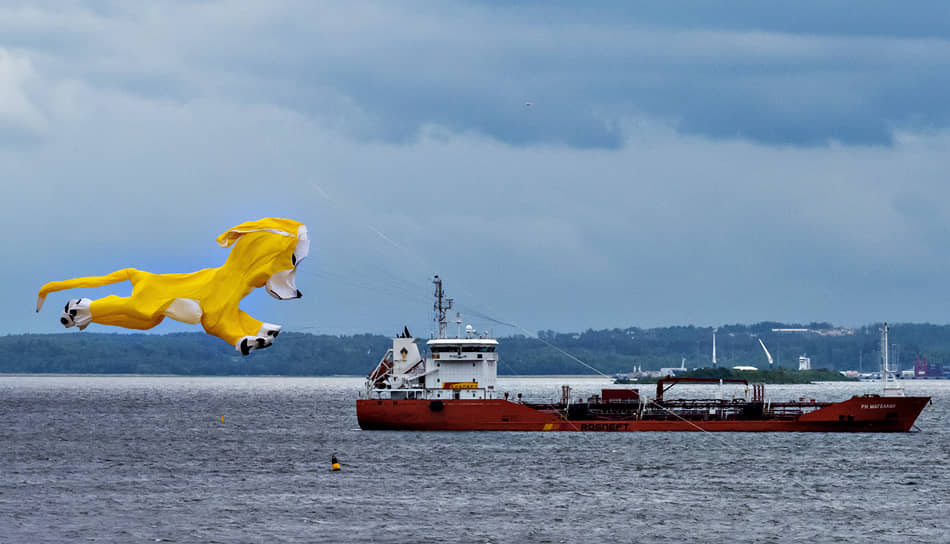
(804, 363)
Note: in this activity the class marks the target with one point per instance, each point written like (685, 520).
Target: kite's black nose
(299, 294)
(63, 321)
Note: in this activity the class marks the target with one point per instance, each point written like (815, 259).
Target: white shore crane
(715, 329)
(767, 354)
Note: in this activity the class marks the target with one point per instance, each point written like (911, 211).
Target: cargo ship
(453, 388)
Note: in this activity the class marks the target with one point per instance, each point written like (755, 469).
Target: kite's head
(268, 253)
(282, 285)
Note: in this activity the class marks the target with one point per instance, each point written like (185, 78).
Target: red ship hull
(857, 414)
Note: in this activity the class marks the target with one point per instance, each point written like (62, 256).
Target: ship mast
(889, 391)
(441, 305)
(884, 354)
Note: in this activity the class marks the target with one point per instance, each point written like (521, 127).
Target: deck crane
(767, 354)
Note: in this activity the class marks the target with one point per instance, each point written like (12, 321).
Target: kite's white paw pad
(76, 313)
(264, 339)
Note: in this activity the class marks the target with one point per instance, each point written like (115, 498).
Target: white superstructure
(464, 367)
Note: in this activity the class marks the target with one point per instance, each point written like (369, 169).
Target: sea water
(247, 459)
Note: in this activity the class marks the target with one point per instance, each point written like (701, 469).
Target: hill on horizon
(609, 350)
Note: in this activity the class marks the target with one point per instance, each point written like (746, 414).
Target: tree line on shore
(610, 350)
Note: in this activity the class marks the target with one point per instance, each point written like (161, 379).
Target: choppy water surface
(145, 459)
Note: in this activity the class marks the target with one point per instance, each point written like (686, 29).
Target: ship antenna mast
(441, 306)
(891, 387)
(884, 355)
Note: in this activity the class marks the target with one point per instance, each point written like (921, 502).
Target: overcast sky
(562, 165)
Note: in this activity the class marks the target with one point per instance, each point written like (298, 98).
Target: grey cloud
(22, 121)
(817, 17)
(386, 71)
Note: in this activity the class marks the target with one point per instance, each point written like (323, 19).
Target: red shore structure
(453, 389)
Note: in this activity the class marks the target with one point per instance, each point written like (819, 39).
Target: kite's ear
(231, 235)
(284, 227)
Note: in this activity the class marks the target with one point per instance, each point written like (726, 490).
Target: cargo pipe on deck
(673, 381)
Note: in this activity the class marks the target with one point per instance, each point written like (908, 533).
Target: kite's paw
(76, 313)
(269, 330)
(251, 343)
(264, 339)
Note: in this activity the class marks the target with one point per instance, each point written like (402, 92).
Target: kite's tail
(90, 281)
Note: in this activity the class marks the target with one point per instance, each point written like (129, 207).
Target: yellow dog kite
(265, 254)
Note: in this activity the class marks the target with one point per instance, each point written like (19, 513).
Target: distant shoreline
(612, 352)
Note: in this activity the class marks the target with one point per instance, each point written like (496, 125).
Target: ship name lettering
(878, 406)
(604, 426)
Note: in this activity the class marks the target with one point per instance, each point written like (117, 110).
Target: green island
(774, 376)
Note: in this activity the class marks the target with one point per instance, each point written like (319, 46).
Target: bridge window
(463, 349)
